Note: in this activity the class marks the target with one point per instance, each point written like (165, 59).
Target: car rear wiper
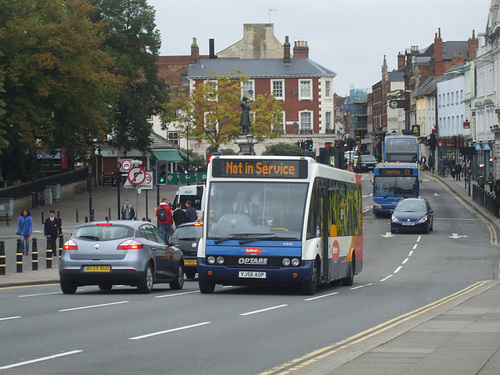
(238, 235)
(90, 237)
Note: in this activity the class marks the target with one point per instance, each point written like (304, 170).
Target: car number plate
(190, 262)
(252, 275)
(97, 269)
(408, 224)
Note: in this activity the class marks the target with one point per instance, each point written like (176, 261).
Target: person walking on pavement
(179, 215)
(491, 181)
(480, 181)
(24, 229)
(52, 228)
(164, 216)
(128, 212)
(458, 171)
(191, 214)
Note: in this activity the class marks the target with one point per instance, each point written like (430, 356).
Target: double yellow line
(317, 355)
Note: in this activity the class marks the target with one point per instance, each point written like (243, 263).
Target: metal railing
(486, 199)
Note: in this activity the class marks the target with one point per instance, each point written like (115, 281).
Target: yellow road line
(324, 352)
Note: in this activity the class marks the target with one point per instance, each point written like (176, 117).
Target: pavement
(459, 334)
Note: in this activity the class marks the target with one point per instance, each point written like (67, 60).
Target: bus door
(325, 229)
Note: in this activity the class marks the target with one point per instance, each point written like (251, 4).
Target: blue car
(412, 215)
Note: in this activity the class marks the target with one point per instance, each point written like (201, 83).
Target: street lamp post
(186, 121)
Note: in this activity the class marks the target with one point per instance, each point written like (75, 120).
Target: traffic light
(432, 141)
(308, 145)
(161, 172)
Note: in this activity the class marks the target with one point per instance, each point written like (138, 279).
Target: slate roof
(259, 68)
(396, 76)
(451, 49)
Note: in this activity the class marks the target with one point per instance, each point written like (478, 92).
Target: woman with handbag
(24, 229)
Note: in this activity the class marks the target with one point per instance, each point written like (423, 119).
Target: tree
(58, 80)
(134, 41)
(214, 108)
(283, 149)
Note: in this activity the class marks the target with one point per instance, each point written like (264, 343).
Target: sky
(349, 37)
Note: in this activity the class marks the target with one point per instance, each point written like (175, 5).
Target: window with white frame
(452, 98)
(173, 137)
(328, 121)
(456, 97)
(280, 118)
(306, 122)
(249, 89)
(278, 88)
(211, 125)
(305, 89)
(328, 89)
(211, 89)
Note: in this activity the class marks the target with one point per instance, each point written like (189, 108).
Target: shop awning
(171, 156)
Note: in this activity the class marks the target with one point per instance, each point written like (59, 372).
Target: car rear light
(198, 224)
(104, 224)
(130, 245)
(70, 245)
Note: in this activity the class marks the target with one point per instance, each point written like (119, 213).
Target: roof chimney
(211, 43)
(195, 52)
(286, 51)
(473, 45)
(438, 54)
(401, 60)
(300, 50)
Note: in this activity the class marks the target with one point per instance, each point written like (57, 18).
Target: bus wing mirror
(371, 180)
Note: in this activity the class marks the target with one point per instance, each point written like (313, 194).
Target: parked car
(186, 239)
(412, 214)
(134, 253)
(366, 163)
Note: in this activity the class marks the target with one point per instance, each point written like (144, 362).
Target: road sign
(136, 175)
(126, 165)
(148, 181)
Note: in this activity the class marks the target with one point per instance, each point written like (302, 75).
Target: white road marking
(93, 306)
(10, 318)
(322, 296)
(398, 269)
(40, 359)
(404, 261)
(386, 278)
(361, 286)
(263, 310)
(418, 238)
(410, 253)
(168, 331)
(415, 246)
(177, 294)
(39, 294)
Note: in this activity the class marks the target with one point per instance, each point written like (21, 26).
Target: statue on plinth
(245, 116)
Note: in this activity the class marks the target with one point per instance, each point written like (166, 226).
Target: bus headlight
(295, 262)
(220, 260)
(286, 262)
(211, 259)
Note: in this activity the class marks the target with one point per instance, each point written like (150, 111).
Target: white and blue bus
(280, 220)
(401, 148)
(391, 183)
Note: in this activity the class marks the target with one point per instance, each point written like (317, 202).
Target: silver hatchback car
(119, 252)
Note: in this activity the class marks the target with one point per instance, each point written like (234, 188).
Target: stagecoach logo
(253, 251)
(255, 261)
(96, 246)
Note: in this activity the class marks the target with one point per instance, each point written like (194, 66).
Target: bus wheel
(309, 287)
(206, 287)
(349, 280)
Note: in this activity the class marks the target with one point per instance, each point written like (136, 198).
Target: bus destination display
(396, 172)
(247, 168)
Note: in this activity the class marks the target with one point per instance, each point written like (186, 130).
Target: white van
(193, 193)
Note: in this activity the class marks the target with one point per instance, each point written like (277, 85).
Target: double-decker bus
(391, 183)
(280, 220)
(402, 148)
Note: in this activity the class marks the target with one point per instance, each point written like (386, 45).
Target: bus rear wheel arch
(349, 280)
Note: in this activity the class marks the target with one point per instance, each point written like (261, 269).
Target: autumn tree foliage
(213, 111)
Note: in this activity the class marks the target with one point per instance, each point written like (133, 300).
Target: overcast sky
(349, 37)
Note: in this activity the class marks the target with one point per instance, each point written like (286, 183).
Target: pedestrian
(480, 181)
(496, 188)
(423, 160)
(191, 214)
(458, 171)
(52, 228)
(179, 215)
(164, 216)
(24, 229)
(491, 181)
(128, 212)
(431, 163)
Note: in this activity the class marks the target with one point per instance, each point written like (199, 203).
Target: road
(244, 330)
